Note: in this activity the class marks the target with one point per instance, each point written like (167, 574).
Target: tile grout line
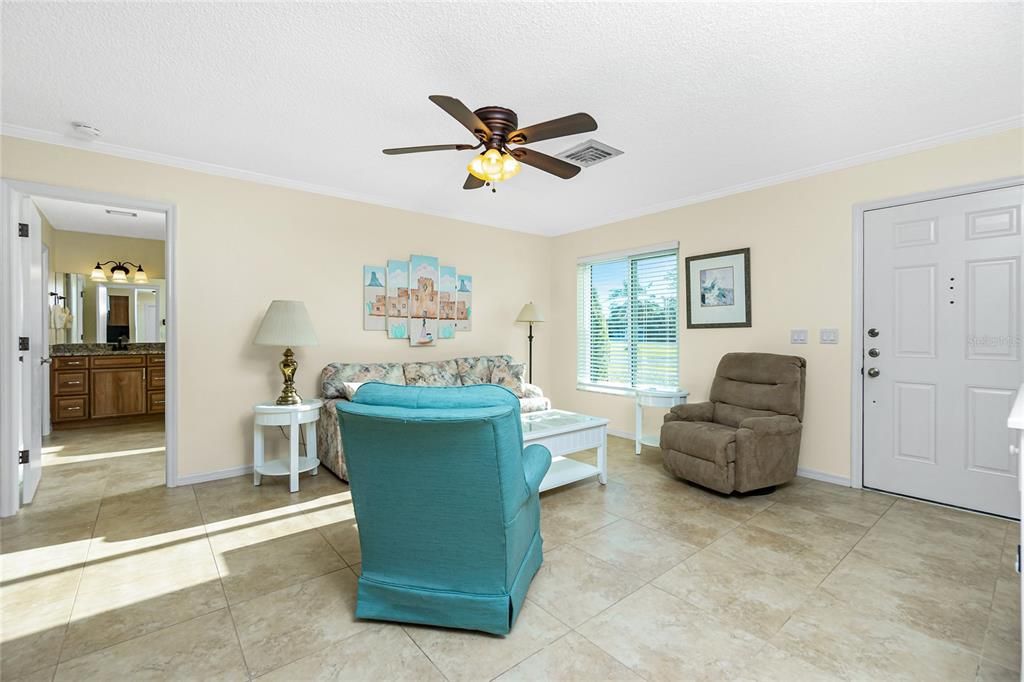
(425, 654)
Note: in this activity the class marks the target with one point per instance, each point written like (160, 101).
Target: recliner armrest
(536, 462)
(692, 412)
(780, 425)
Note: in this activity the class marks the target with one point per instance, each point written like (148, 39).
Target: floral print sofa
(339, 381)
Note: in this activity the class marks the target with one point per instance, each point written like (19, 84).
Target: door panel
(118, 392)
(942, 288)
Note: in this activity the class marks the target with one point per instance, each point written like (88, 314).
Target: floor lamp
(530, 314)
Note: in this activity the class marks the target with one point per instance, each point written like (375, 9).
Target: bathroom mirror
(106, 312)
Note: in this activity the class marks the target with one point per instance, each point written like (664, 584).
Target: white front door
(942, 325)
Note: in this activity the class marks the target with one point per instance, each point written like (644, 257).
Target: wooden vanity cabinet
(105, 387)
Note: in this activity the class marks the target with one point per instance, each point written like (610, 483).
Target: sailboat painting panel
(424, 300)
(374, 298)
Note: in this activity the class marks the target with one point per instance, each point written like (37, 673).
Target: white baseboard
(628, 435)
(822, 476)
(192, 479)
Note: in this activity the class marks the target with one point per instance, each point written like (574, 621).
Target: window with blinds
(627, 321)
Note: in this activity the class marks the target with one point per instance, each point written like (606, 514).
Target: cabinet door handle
(72, 409)
(73, 383)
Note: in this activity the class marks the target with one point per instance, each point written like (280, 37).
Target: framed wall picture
(374, 298)
(718, 290)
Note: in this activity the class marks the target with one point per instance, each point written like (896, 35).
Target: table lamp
(287, 324)
(530, 314)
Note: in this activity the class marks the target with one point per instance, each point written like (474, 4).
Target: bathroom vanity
(93, 384)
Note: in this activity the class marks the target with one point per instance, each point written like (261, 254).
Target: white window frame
(665, 248)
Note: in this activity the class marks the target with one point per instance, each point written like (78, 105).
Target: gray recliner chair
(747, 436)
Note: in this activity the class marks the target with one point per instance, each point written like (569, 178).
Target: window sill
(607, 390)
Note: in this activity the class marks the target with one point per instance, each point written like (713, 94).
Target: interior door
(942, 321)
(29, 321)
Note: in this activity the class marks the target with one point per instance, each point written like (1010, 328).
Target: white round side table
(272, 414)
(655, 397)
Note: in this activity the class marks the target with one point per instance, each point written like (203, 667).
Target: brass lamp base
(288, 366)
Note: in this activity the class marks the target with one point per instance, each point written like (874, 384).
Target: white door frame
(8, 352)
(857, 333)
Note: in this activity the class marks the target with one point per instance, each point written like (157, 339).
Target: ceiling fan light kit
(496, 128)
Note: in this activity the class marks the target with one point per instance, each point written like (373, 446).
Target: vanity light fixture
(119, 272)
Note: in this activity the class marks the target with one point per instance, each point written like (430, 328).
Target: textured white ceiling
(703, 98)
(75, 216)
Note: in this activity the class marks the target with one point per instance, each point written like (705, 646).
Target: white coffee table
(564, 433)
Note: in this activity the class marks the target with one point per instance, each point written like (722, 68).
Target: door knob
(873, 352)
(873, 372)
(872, 332)
(45, 361)
(1015, 451)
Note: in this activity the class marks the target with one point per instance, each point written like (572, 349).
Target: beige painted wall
(799, 234)
(240, 244)
(80, 251)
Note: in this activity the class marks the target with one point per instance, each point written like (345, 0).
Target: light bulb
(509, 166)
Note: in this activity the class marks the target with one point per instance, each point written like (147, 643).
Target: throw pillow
(474, 371)
(432, 373)
(510, 376)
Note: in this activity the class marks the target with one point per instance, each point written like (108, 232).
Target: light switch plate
(798, 336)
(828, 335)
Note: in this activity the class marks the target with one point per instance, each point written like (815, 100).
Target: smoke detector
(86, 131)
(589, 153)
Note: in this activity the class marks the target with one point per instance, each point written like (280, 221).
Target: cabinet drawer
(155, 360)
(67, 409)
(70, 363)
(155, 378)
(70, 382)
(118, 361)
(156, 401)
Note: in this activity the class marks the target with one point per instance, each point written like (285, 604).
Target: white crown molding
(100, 147)
(922, 144)
(109, 149)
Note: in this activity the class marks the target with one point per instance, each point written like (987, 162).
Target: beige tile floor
(110, 575)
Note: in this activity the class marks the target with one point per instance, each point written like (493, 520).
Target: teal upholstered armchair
(447, 503)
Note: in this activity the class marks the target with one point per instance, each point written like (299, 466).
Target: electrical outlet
(798, 336)
(828, 335)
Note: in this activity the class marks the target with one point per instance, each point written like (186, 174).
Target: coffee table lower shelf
(565, 470)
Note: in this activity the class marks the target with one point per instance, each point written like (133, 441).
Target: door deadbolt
(873, 352)
(873, 372)
(872, 332)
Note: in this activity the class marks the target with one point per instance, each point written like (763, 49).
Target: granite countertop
(66, 349)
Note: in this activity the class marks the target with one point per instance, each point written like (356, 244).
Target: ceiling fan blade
(472, 182)
(428, 148)
(461, 113)
(559, 127)
(548, 164)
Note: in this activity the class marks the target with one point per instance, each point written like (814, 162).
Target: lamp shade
(529, 313)
(286, 323)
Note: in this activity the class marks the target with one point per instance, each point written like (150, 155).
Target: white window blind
(627, 321)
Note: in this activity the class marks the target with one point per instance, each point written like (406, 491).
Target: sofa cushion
(335, 375)
(441, 373)
(704, 440)
(510, 376)
(474, 371)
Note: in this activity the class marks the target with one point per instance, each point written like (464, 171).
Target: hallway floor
(110, 575)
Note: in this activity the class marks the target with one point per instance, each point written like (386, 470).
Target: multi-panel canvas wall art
(417, 299)
(398, 299)
(446, 316)
(374, 298)
(424, 285)
(464, 303)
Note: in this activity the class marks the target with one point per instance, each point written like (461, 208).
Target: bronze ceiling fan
(496, 128)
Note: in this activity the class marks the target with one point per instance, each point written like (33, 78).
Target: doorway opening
(95, 360)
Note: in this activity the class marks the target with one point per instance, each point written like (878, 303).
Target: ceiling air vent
(589, 153)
